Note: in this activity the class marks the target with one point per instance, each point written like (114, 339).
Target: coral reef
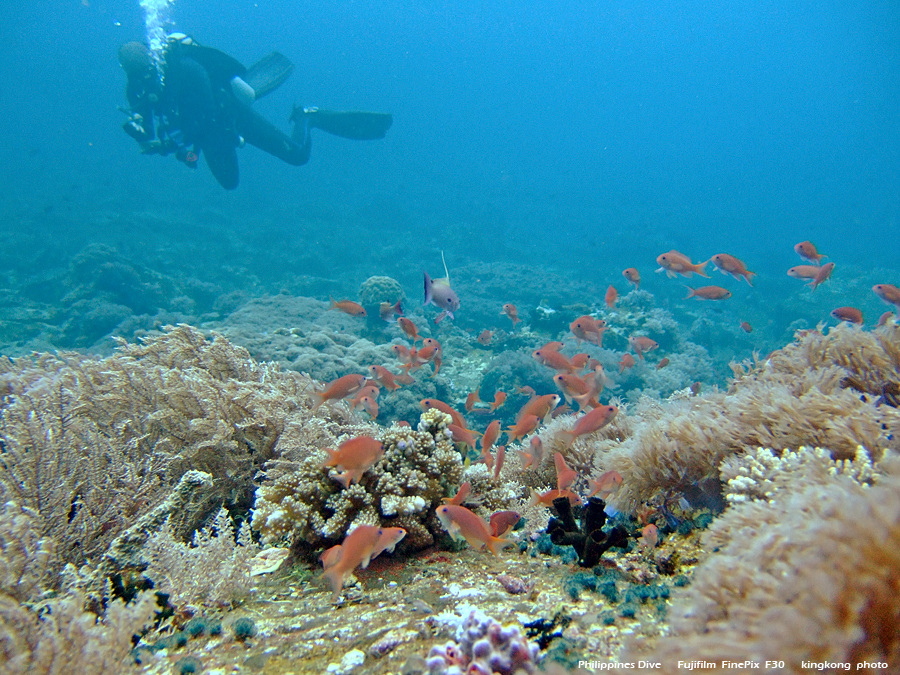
(587, 538)
(301, 500)
(377, 289)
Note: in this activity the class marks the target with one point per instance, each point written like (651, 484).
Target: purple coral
(483, 647)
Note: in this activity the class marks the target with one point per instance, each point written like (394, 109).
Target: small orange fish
(884, 318)
(641, 344)
(546, 498)
(369, 390)
(460, 495)
(539, 406)
(553, 345)
(582, 390)
(370, 405)
(408, 327)
(588, 329)
(524, 426)
(384, 376)
(463, 524)
(674, 263)
(536, 456)
(849, 314)
(824, 272)
(340, 388)
(510, 310)
(428, 403)
(471, 400)
(593, 421)
(502, 522)
(728, 264)
(746, 327)
(804, 271)
(387, 311)
(649, 536)
(565, 476)
(460, 435)
(357, 550)
(696, 388)
(354, 457)
(708, 293)
(626, 362)
(604, 486)
(347, 307)
(808, 251)
(553, 359)
(633, 276)
(436, 360)
(663, 362)
(889, 293)
(611, 296)
(491, 434)
(498, 460)
(499, 399)
(485, 338)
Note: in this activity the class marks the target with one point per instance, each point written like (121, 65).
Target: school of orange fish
(579, 378)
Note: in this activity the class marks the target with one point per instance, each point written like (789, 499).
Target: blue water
(577, 137)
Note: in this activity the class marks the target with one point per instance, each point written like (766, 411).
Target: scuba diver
(199, 102)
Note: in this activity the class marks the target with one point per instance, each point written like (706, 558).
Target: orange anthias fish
(575, 388)
(347, 307)
(491, 434)
(808, 251)
(484, 339)
(436, 360)
(588, 329)
(536, 456)
(524, 426)
(565, 475)
(850, 314)
(471, 400)
(889, 293)
(626, 362)
(728, 264)
(357, 550)
(546, 498)
(633, 276)
(884, 318)
(384, 376)
(510, 310)
(641, 344)
(649, 536)
(460, 435)
(539, 406)
(553, 359)
(354, 457)
(503, 521)
(746, 327)
(824, 272)
(674, 263)
(460, 495)
(604, 486)
(463, 524)
(408, 327)
(611, 296)
(370, 405)
(663, 362)
(708, 293)
(804, 271)
(499, 399)
(338, 389)
(387, 311)
(428, 403)
(591, 422)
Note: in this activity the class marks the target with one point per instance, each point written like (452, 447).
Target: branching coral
(303, 502)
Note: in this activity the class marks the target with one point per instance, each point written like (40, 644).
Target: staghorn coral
(301, 500)
(812, 574)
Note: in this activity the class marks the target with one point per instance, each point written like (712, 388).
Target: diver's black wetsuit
(195, 111)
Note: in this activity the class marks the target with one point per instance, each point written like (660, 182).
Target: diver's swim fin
(267, 74)
(353, 124)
